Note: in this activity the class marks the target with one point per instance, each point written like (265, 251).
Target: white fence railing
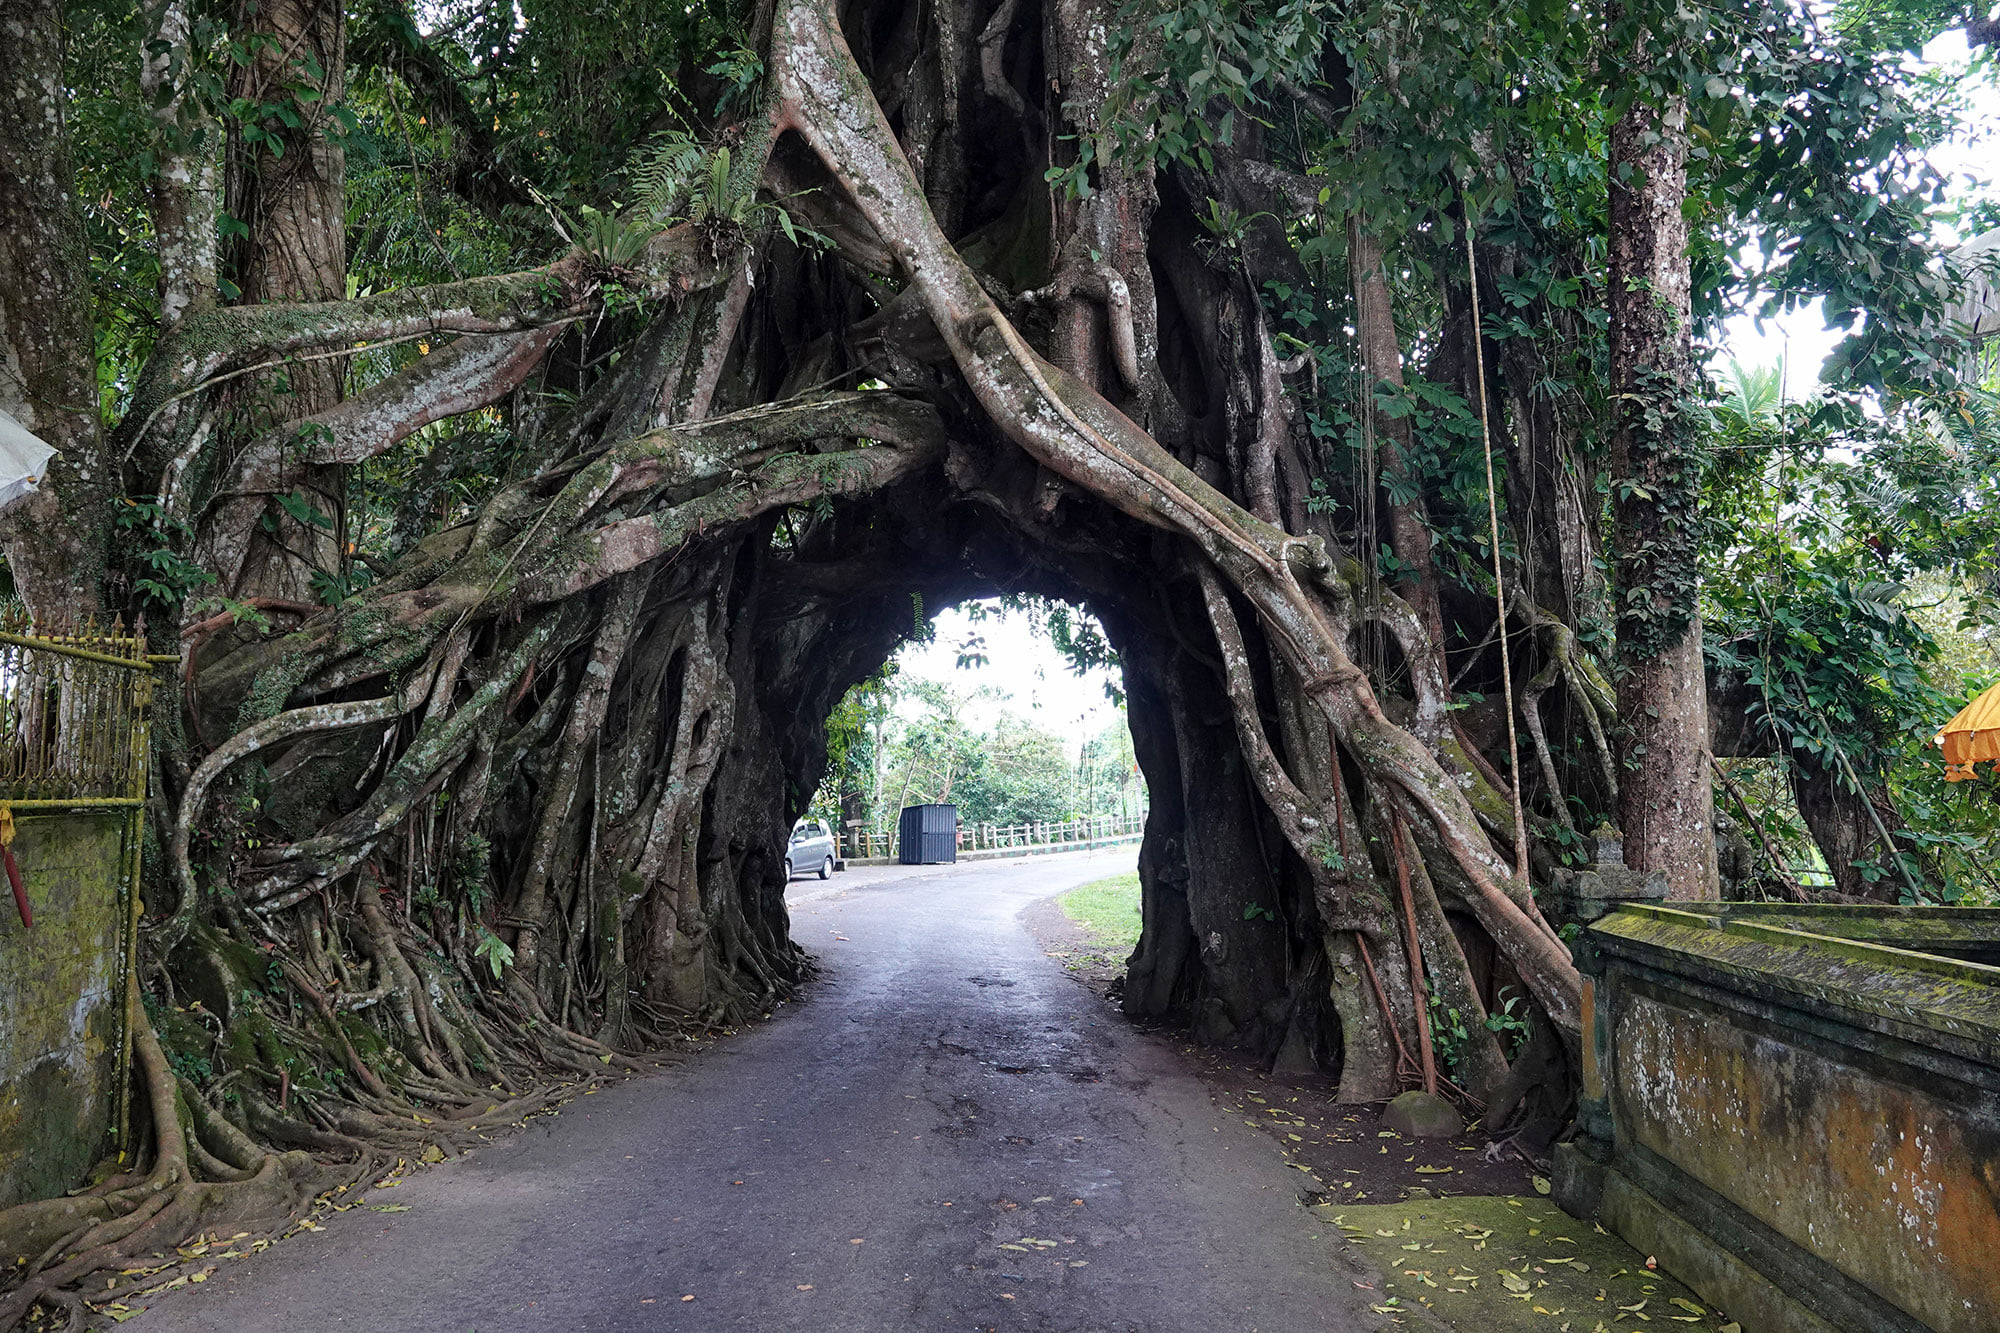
(1080, 833)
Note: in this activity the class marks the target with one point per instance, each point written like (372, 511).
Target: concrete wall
(61, 993)
(1800, 1123)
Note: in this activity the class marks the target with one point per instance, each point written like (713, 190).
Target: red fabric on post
(20, 892)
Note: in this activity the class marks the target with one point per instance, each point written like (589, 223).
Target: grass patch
(1108, 909)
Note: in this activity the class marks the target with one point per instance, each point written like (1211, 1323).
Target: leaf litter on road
(1486, 1264)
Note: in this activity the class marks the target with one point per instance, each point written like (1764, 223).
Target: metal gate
(74, 736)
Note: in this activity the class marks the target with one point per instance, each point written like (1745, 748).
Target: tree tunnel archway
(1207, 851)
(606, 686)
(1338, 357)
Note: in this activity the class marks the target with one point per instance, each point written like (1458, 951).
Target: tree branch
(1069, 428)
(789, 479)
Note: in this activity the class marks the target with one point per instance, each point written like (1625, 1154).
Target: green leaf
(302, 511)
(499, 954)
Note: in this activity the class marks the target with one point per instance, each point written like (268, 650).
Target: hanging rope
(1419, 993)
(1499, 584)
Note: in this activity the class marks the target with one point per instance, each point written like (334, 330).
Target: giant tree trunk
(1666, 803)
(517, 810)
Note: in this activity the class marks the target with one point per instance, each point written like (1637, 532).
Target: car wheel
(826, 868)
(788, 867)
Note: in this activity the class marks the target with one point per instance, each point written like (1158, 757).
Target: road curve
(947, 1133)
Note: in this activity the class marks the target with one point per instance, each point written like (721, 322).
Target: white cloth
(24, 460)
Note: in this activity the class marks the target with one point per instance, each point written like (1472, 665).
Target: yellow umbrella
(1972, 736)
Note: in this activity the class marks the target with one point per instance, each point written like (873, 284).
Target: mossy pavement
(1486, 1264)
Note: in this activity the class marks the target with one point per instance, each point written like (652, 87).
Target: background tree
(1666, 807)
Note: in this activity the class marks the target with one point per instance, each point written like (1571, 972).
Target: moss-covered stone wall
(61, 994)
(1800, 1120)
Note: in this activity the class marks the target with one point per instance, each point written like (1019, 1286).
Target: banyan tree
(527, 424)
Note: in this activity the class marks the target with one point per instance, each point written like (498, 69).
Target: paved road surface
(858, 1164)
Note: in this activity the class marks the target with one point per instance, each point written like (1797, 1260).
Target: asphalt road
(947, 1133)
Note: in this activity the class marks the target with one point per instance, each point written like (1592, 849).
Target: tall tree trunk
(293, 203)
(1666, 805)
(1106, 313)
(183, 188)
(1382, 363)
(55, 539)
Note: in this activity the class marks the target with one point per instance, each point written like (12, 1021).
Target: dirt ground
(1345, 1148)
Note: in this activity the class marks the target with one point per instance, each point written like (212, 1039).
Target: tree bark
(1382, 365)
(1666, 802)
(55, 538)
(184, 185)
(293, 204)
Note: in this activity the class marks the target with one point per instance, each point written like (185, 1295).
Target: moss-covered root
(211, 1175)
(151, 1216)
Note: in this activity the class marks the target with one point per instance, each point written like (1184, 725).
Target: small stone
(1419, 1115)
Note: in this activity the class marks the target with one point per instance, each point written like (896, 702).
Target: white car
(811, 849)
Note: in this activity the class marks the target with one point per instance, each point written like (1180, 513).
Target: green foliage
(1020, 775)
(1659, 561)
(1080, 640)
(853, 739)
(156, 541)
(575, 88)
(498, 954)
(178, 1036)
(1449, 1033)
(1824, 522)
(1509, 1020)
(894, 740)
(332, 587)
(301, 510)
(674, 179)
(614, 241)
(1074, 634)
(664, 174)
(1223, 61)
(472, 872)
(741, 70)
(1809, 143)
(1839, 667)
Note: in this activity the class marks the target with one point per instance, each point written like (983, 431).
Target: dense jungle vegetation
(899, 739)
(527, 422)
